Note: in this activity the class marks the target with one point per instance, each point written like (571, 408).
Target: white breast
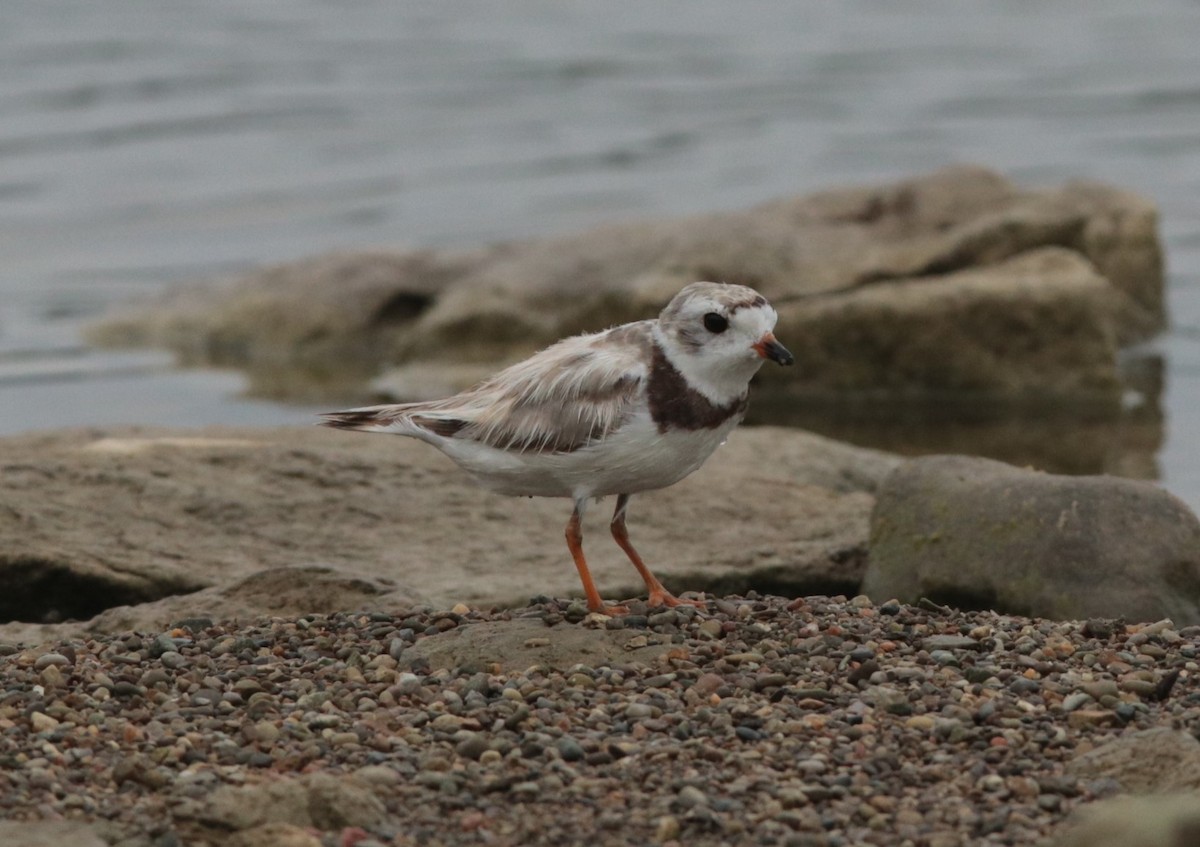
(637, 457)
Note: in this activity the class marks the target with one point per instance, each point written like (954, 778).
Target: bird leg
(659, 596)
(575, 545)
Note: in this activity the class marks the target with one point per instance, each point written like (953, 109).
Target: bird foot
(666, 598)
(611, 611)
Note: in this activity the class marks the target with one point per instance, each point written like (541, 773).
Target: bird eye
(715, 323)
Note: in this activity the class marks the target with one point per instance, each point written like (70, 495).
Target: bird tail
(369, 419)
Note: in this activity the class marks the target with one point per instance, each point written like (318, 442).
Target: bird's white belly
(637, 457)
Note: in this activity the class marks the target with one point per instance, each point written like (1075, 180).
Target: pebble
(570, 750)
(40, 722)
(668, 829)
(173, 660)
(408, 683)
(1075, 701)
(48, 659)
(768, 720)
(950, 642)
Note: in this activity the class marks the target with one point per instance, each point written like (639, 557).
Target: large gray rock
(319, 800)
(49, 834)
(1171, 820)
(91, 520)
(1148, 761)
(1036, 324)
(313, 327)
(979, 533)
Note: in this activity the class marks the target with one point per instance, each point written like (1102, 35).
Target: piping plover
(633, 408)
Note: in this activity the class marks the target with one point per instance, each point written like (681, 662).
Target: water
(142, 144)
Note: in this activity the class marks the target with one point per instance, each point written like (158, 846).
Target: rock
(507, 643)
(1158, 821)
(293, 521)
(49, 834)
(274, 835)
(1144, 761)
(318, 800)
(313, 327)
(352, 302)
(40, 722)
(981, 534)
(944, 333)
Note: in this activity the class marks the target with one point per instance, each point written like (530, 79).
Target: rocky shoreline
(295, 638)
(759, 720)
(954, 282)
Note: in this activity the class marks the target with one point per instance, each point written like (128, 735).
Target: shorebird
(633, 408)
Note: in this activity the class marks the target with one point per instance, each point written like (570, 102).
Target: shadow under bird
(633, 408)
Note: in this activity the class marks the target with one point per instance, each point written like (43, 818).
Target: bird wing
(569, 395)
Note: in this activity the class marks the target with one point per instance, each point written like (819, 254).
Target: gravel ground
(762, 720)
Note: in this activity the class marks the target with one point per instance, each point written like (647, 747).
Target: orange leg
(575, 545)
(659, 596)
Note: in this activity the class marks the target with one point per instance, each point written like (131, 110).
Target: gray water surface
(142, 144)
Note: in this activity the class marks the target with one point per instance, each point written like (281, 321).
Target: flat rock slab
(123, 518)
(319, 800)
(517, 645)
(1171, 820)
(978, 533)
(1149, 761)
(279, 592)
(49, 834)
(990, 273)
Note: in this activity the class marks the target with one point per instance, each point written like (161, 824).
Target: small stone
(41, 722)
(446, 723)
(636, 711)
(160, 645)
(690, 797)
(127, 689)
(1101, 688)
(1099, 628)
(1049, 802)
(266, 732)
(172, 659)
(1089, 717)
(472, 747)
(667, 829)
(943, 657)
(707, 684)
(570, 750)
(396, 648)
(1141, 687)
(978, 675)
(950, 642)
(1076, 701)
(48, 659)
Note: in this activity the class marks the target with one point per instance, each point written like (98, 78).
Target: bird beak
(769, 348)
